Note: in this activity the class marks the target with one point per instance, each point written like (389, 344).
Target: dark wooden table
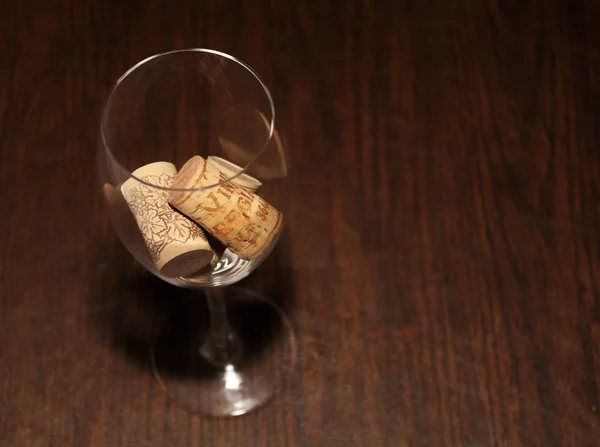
(441, 266)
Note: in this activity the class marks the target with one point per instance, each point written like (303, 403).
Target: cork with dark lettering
(177, 245)
(240, 219)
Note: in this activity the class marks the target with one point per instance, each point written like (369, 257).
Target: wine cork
(230, 169)
(177, 245)
(240, 219)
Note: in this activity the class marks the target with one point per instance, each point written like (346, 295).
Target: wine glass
(194, 176)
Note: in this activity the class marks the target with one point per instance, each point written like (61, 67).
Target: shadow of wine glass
(130, 305)
(257, 323)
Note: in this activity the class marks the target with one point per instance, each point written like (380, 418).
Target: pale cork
(177, 245)
(230, 169)
(238, 218)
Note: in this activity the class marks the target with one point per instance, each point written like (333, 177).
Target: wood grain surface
(441, 266)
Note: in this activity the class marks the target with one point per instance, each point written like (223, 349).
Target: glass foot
(263, 356)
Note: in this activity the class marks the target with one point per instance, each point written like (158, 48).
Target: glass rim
(172, 52)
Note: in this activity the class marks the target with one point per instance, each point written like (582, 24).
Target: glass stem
(219, 326)
(219, 347)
